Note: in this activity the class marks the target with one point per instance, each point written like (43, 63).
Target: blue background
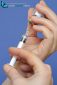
(13, 23)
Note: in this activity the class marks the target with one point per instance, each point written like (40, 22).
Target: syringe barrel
(13, 60)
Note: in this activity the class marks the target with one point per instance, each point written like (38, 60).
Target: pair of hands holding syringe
(44, 48)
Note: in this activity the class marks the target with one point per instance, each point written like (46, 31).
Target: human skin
(45, 46)
(48, 27)
(42, 74)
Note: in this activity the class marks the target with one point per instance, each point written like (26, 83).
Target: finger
(30, 12)
(12, 73)
(26, 75)
(42, 3)
(45, 46)
(6, 82)
(30, 31)
(47, 33)
(32, 60)
(50, 25)
(25, 68)
(44, 9)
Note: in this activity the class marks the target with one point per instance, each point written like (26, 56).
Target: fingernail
(30, 21)
(42, 3)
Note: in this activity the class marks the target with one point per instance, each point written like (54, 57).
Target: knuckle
(7, 68)
(10, 70)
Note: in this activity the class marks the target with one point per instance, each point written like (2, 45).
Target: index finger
(31, 59)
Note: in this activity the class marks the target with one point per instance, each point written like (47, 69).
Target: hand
(41, 72)
(41, 47)
(48, 28)
(47, 45)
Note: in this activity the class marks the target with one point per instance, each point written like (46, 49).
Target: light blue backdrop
(13, 23)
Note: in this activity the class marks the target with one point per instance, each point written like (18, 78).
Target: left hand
(41, 73)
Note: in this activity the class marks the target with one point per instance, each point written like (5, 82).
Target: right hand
(41, 75)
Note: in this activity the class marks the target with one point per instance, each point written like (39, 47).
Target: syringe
(13, 60)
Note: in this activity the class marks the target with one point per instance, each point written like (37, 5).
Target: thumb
(11, 72)
(30, 58)
(30, 31)
(43, 3)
